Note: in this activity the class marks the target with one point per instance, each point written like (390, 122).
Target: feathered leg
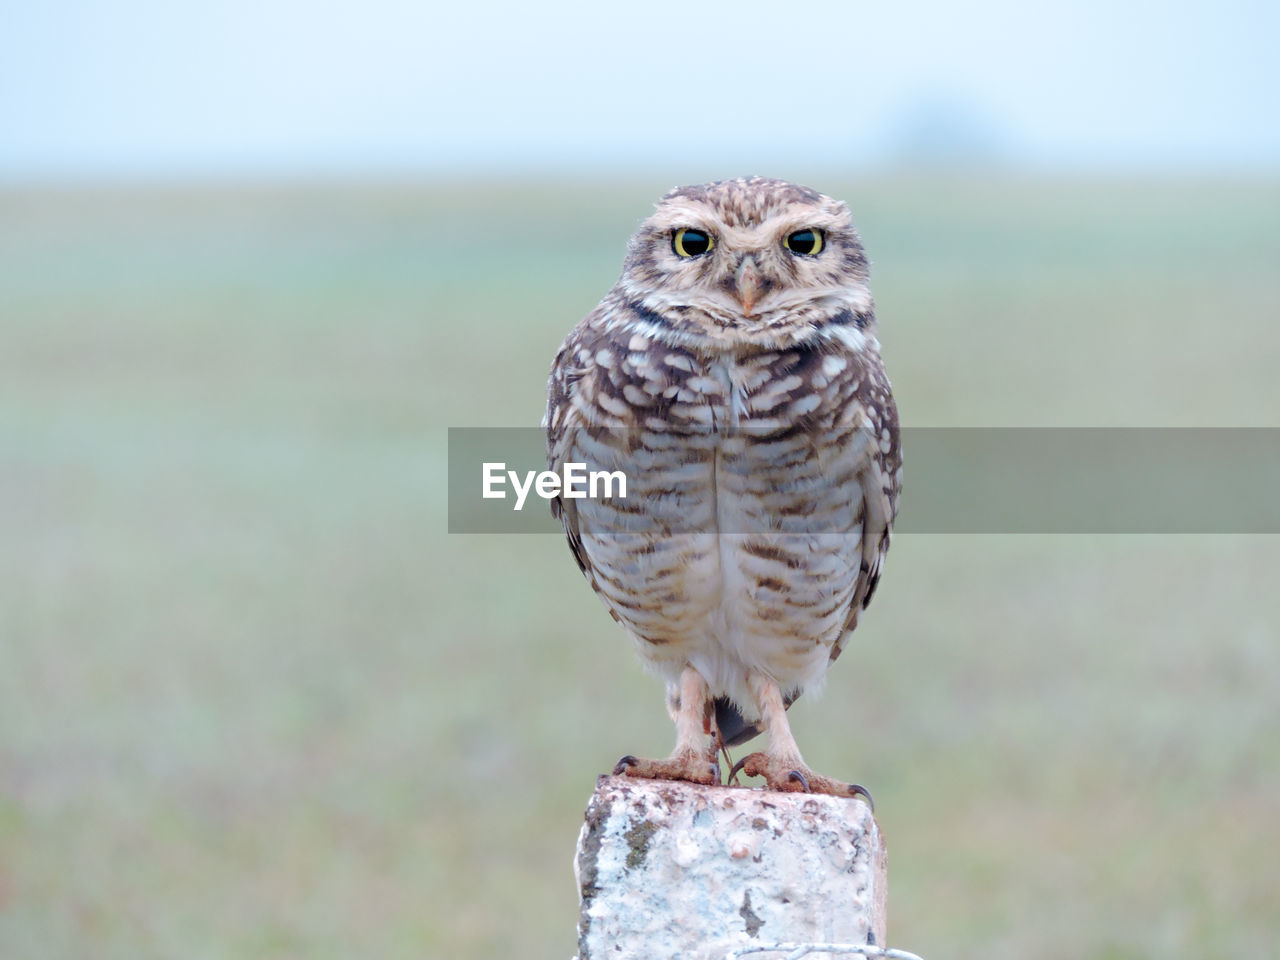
(692, 758)
(781, 765)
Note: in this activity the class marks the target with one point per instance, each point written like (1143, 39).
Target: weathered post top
(669, 870)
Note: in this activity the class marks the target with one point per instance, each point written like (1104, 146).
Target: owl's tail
(736, 729)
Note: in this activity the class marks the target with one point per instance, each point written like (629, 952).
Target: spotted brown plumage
(741, 391)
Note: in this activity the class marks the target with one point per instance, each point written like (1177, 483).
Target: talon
(798, 777)
(857, 789)
(620, 767)
(733, 774)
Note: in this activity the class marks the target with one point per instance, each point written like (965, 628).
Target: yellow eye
(805, 242)
(687, 242)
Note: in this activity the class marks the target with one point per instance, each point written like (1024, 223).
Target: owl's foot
(693, 767)
(789, 776)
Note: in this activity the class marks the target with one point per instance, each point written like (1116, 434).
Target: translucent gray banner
(956, 480)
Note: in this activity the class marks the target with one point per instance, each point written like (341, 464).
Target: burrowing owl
(734, 376)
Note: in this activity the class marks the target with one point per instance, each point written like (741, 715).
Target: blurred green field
(255, 702)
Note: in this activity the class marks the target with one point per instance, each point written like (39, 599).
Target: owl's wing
(877, 494)
(561, 422)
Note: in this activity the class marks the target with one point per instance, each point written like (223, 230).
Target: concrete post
(675, 870)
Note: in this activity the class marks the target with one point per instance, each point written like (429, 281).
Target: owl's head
(751, 261)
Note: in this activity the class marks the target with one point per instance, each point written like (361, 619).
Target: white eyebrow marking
(700, 216)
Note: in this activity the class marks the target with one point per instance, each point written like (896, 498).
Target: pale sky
(141, 88)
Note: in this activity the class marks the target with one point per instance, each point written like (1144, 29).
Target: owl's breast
(739, 544)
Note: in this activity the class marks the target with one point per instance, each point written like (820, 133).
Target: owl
(733, 376)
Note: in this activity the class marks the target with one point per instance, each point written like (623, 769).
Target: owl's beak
(747, 284)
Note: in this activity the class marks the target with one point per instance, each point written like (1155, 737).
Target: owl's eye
(806, 242)
(691, 243)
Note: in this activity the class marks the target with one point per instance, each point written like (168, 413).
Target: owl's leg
(692, 759)
(781, 765)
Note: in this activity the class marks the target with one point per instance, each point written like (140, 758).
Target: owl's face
(748, 262)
